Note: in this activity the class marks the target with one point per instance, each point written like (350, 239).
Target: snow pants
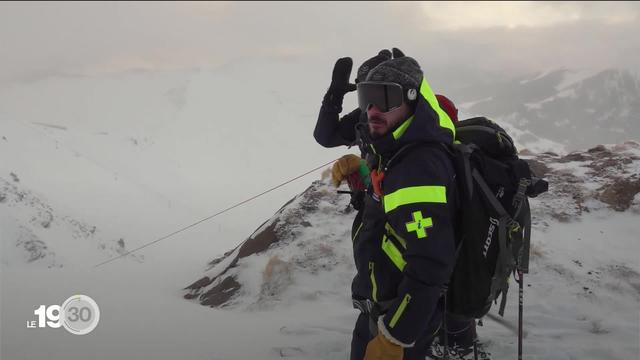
(461, 334)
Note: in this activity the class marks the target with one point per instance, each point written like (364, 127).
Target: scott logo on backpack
(492, 227)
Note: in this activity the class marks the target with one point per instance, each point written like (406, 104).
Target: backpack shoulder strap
(505, 223)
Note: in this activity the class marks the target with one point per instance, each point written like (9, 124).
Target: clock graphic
(80, 314)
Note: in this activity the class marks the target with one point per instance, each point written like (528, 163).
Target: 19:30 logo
(79, 314)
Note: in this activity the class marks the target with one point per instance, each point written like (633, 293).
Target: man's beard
(376, 120)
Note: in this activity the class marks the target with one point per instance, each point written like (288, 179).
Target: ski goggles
(386, 96)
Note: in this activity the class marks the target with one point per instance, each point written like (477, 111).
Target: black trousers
(461, 333)
(362, 336)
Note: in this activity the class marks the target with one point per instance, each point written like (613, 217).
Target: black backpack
(493, 226)
(494, 219)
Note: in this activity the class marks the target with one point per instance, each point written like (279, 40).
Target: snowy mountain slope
(198, 140)
(60, 208)
(583, 289)
(301, 240)
(529, 141)
(575, 108)
(293, 300)
(34, 232)
(138, 155)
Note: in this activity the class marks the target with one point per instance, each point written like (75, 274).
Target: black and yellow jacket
(404, 246)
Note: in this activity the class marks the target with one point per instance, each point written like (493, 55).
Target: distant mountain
(576, 109)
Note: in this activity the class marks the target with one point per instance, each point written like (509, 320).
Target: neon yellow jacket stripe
(415, 194)
(443, 117)
(393, 253)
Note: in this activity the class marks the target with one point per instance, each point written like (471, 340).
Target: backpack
(494, 218)
(493, 228)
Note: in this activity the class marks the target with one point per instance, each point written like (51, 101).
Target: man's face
(380, 123)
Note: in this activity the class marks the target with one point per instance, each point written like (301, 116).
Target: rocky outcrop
(306, 234)
(295, 226)
(603, 176)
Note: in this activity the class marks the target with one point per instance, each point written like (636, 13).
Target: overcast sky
(41, 39)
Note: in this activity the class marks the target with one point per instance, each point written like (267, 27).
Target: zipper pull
(376, 182)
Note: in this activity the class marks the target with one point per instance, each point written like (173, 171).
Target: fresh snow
(539, 76)
(140, 155)
(572, 77)
(581, 302)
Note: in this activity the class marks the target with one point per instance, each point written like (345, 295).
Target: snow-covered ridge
(43, 235)
(302, 244)
(315, 223)
(583, 284)
(605, 176)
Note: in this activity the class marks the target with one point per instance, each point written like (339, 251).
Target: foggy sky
(43, 39)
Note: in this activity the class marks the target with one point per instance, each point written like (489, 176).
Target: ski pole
(475, 348)
(520, 308)
(446, 331)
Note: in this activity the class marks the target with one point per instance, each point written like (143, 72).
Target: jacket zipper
(401, 308)
(357, 232)
(374, 285)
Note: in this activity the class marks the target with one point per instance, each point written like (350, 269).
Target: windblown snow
(140, 156)
(582, 294)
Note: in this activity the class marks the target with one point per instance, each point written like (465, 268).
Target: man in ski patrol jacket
(404, 248)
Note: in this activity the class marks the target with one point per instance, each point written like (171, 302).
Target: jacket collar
(428, 123)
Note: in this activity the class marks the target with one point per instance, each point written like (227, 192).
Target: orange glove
(344, 167)
(380, 348)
